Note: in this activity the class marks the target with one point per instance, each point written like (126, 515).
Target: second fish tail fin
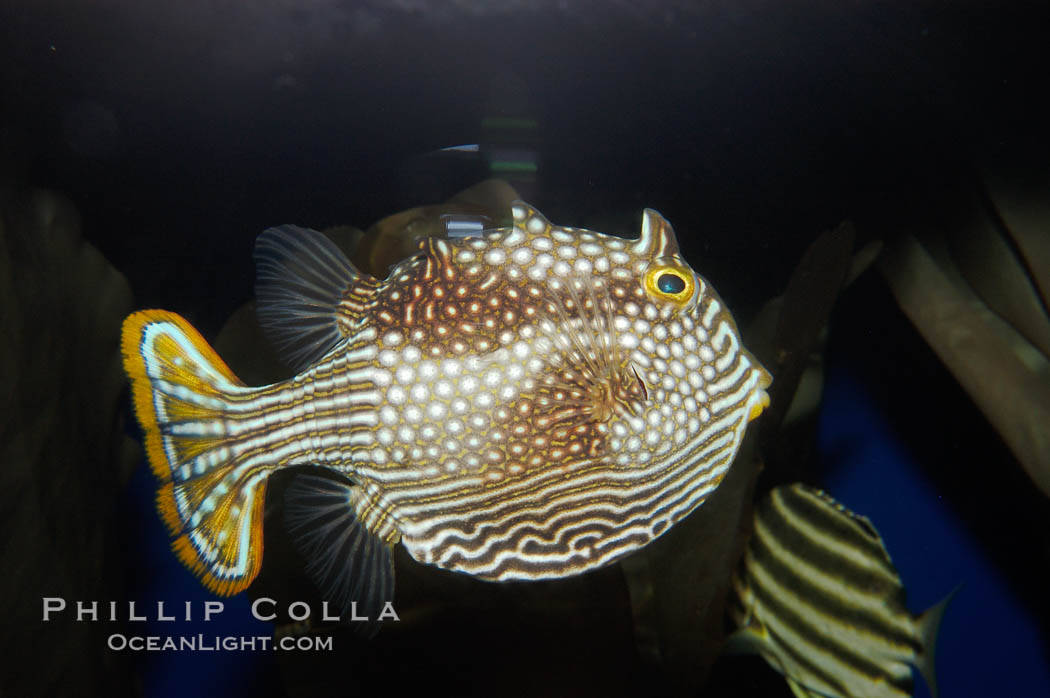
(929, 627)
(192, 409)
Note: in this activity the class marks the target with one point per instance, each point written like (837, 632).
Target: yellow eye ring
(670, 283)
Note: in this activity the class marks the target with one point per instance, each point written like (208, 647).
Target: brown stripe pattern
(820, 589)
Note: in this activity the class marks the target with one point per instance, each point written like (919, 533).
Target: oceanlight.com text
(201, 642)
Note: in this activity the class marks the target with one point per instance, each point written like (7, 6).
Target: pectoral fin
(352, 567)
(746, 640)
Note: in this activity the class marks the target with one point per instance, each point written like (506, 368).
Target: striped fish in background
(817, 596)
(532, 402)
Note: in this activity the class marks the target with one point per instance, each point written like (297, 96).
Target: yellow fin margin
(142, 393)
(163, 355)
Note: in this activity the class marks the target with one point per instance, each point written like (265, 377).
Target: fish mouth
(760, 401)
(758, 405)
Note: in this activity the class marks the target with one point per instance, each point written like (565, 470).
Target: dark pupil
(670, 284)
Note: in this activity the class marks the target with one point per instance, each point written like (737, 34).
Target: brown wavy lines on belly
(547, 525)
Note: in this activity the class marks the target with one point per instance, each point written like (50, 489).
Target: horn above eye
(657, 237)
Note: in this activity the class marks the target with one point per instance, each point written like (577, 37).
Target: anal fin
(352, 566)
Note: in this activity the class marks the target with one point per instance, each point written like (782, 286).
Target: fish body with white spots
(530, 403)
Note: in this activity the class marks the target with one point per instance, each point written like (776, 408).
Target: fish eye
(670, 283)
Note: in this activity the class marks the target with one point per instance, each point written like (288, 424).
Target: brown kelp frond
(1004, 373)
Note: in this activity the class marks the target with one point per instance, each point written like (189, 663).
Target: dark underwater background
(175, 133)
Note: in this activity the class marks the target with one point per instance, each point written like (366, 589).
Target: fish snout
(758, 404)
(760, 401)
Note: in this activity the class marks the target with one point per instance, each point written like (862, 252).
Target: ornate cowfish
(818, 597)
(532, 402)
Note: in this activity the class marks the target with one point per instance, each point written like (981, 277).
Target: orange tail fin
(210, 495)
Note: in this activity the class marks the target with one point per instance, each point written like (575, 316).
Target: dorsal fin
(308, 294)
(437, 248)
(657, 237)
(528, 218)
